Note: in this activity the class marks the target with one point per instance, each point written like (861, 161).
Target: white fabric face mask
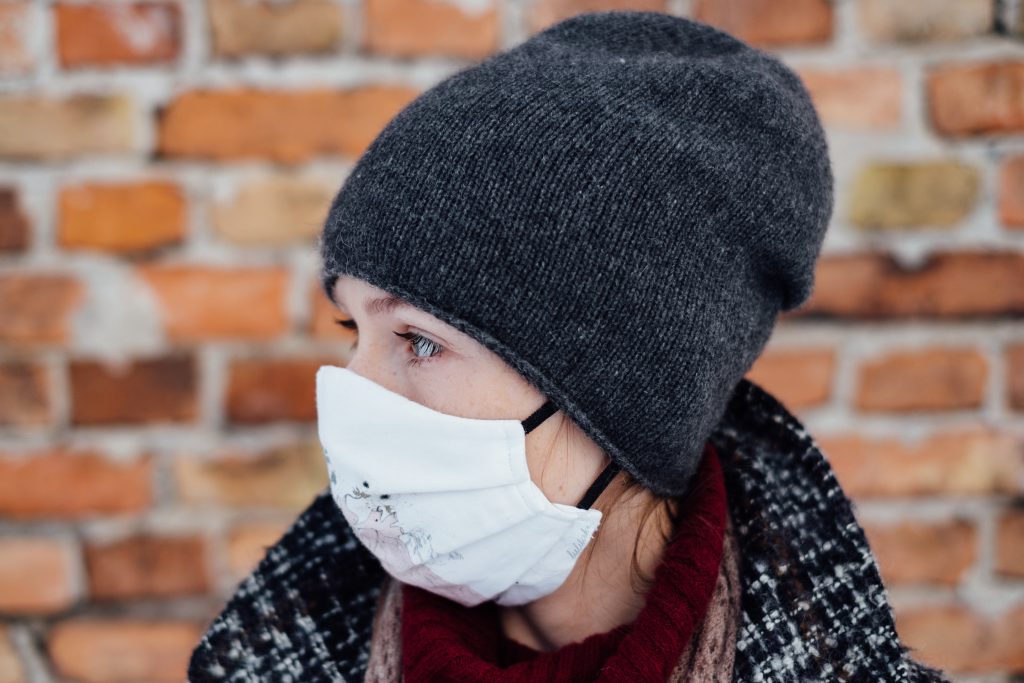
(445, 502)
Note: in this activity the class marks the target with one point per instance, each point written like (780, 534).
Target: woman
(545, 460)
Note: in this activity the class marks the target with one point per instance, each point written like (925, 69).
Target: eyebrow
(386, 304)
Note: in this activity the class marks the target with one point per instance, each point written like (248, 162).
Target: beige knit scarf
(708, 657)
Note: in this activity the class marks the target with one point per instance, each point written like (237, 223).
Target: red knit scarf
(445, 641)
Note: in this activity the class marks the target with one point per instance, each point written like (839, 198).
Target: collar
(444, 641)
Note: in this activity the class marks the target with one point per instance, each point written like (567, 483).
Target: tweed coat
(813, 605)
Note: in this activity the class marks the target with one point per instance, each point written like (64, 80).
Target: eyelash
(412, 337)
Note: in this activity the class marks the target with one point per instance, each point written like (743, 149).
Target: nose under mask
(445, 502)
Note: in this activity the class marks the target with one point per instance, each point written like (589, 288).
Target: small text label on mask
(579, 544)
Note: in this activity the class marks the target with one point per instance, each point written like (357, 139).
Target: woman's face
(413, 353)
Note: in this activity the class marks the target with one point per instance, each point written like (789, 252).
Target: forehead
(349, 290)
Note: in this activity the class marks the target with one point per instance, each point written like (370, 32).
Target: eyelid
(350, 324)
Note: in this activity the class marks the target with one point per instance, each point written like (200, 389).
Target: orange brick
(65, 484)
(36, 127)
(248, 544)
(919, 22)
(859, 98)
(121, 217)
(242, 27)
(14, 227)
(202, 303)
(109, 650)
(1010, 543)
(976, 99)
(286, 477)
(1015, 376)
(924, 552)
(415, 28)
(799, 378)
(278, 210)
(923, 379)
(264, 390)
(900, 195)
(963, 463)
(11, 668)
(956, 639)
(112, 33)
(947, 285)
(1011, 191)
(287, 126)
(142, 391)
(769, 22)
(542, 13)
(37, 575)
(16, 24)
(147, 566)
(36, 308)
(24, 394)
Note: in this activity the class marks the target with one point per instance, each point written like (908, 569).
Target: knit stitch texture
(619, 207)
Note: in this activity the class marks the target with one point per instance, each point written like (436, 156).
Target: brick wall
(164, 170)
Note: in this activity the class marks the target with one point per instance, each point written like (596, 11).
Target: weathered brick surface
(202, 303)
(248, 543)
(1010, 543)
(1011, 191)
(267, 390)
(167, 166)
(770, 23)
(412, 28)
(36, 308)
(1015, 376)
(146, 390)
(949, 284)
(276, 210)
(146, 565)
(976, 98)
(16, 27)
(928, 194)
(865, 98)
(542, 13)
(924, 552)
(61, 483)
(284, 126)
(925, 21)
(122, 217)
(37, 575)
(286, 477)
(11, 668)
(963, 462)
(110, 650)
(240, 27)
(963, 641)
(801, 378)
(14, 225)
(932, 378)
(115, 33)
(35, 127)
(24, 394)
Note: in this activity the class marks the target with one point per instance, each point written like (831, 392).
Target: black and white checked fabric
(813, 609)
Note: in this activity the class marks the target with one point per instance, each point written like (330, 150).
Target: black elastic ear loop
(539, 415)
(603, 479)
(599, 485)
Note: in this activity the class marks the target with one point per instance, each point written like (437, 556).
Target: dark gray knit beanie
(619, 207)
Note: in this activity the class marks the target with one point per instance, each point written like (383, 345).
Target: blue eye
(419, 343)
(422, 347)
